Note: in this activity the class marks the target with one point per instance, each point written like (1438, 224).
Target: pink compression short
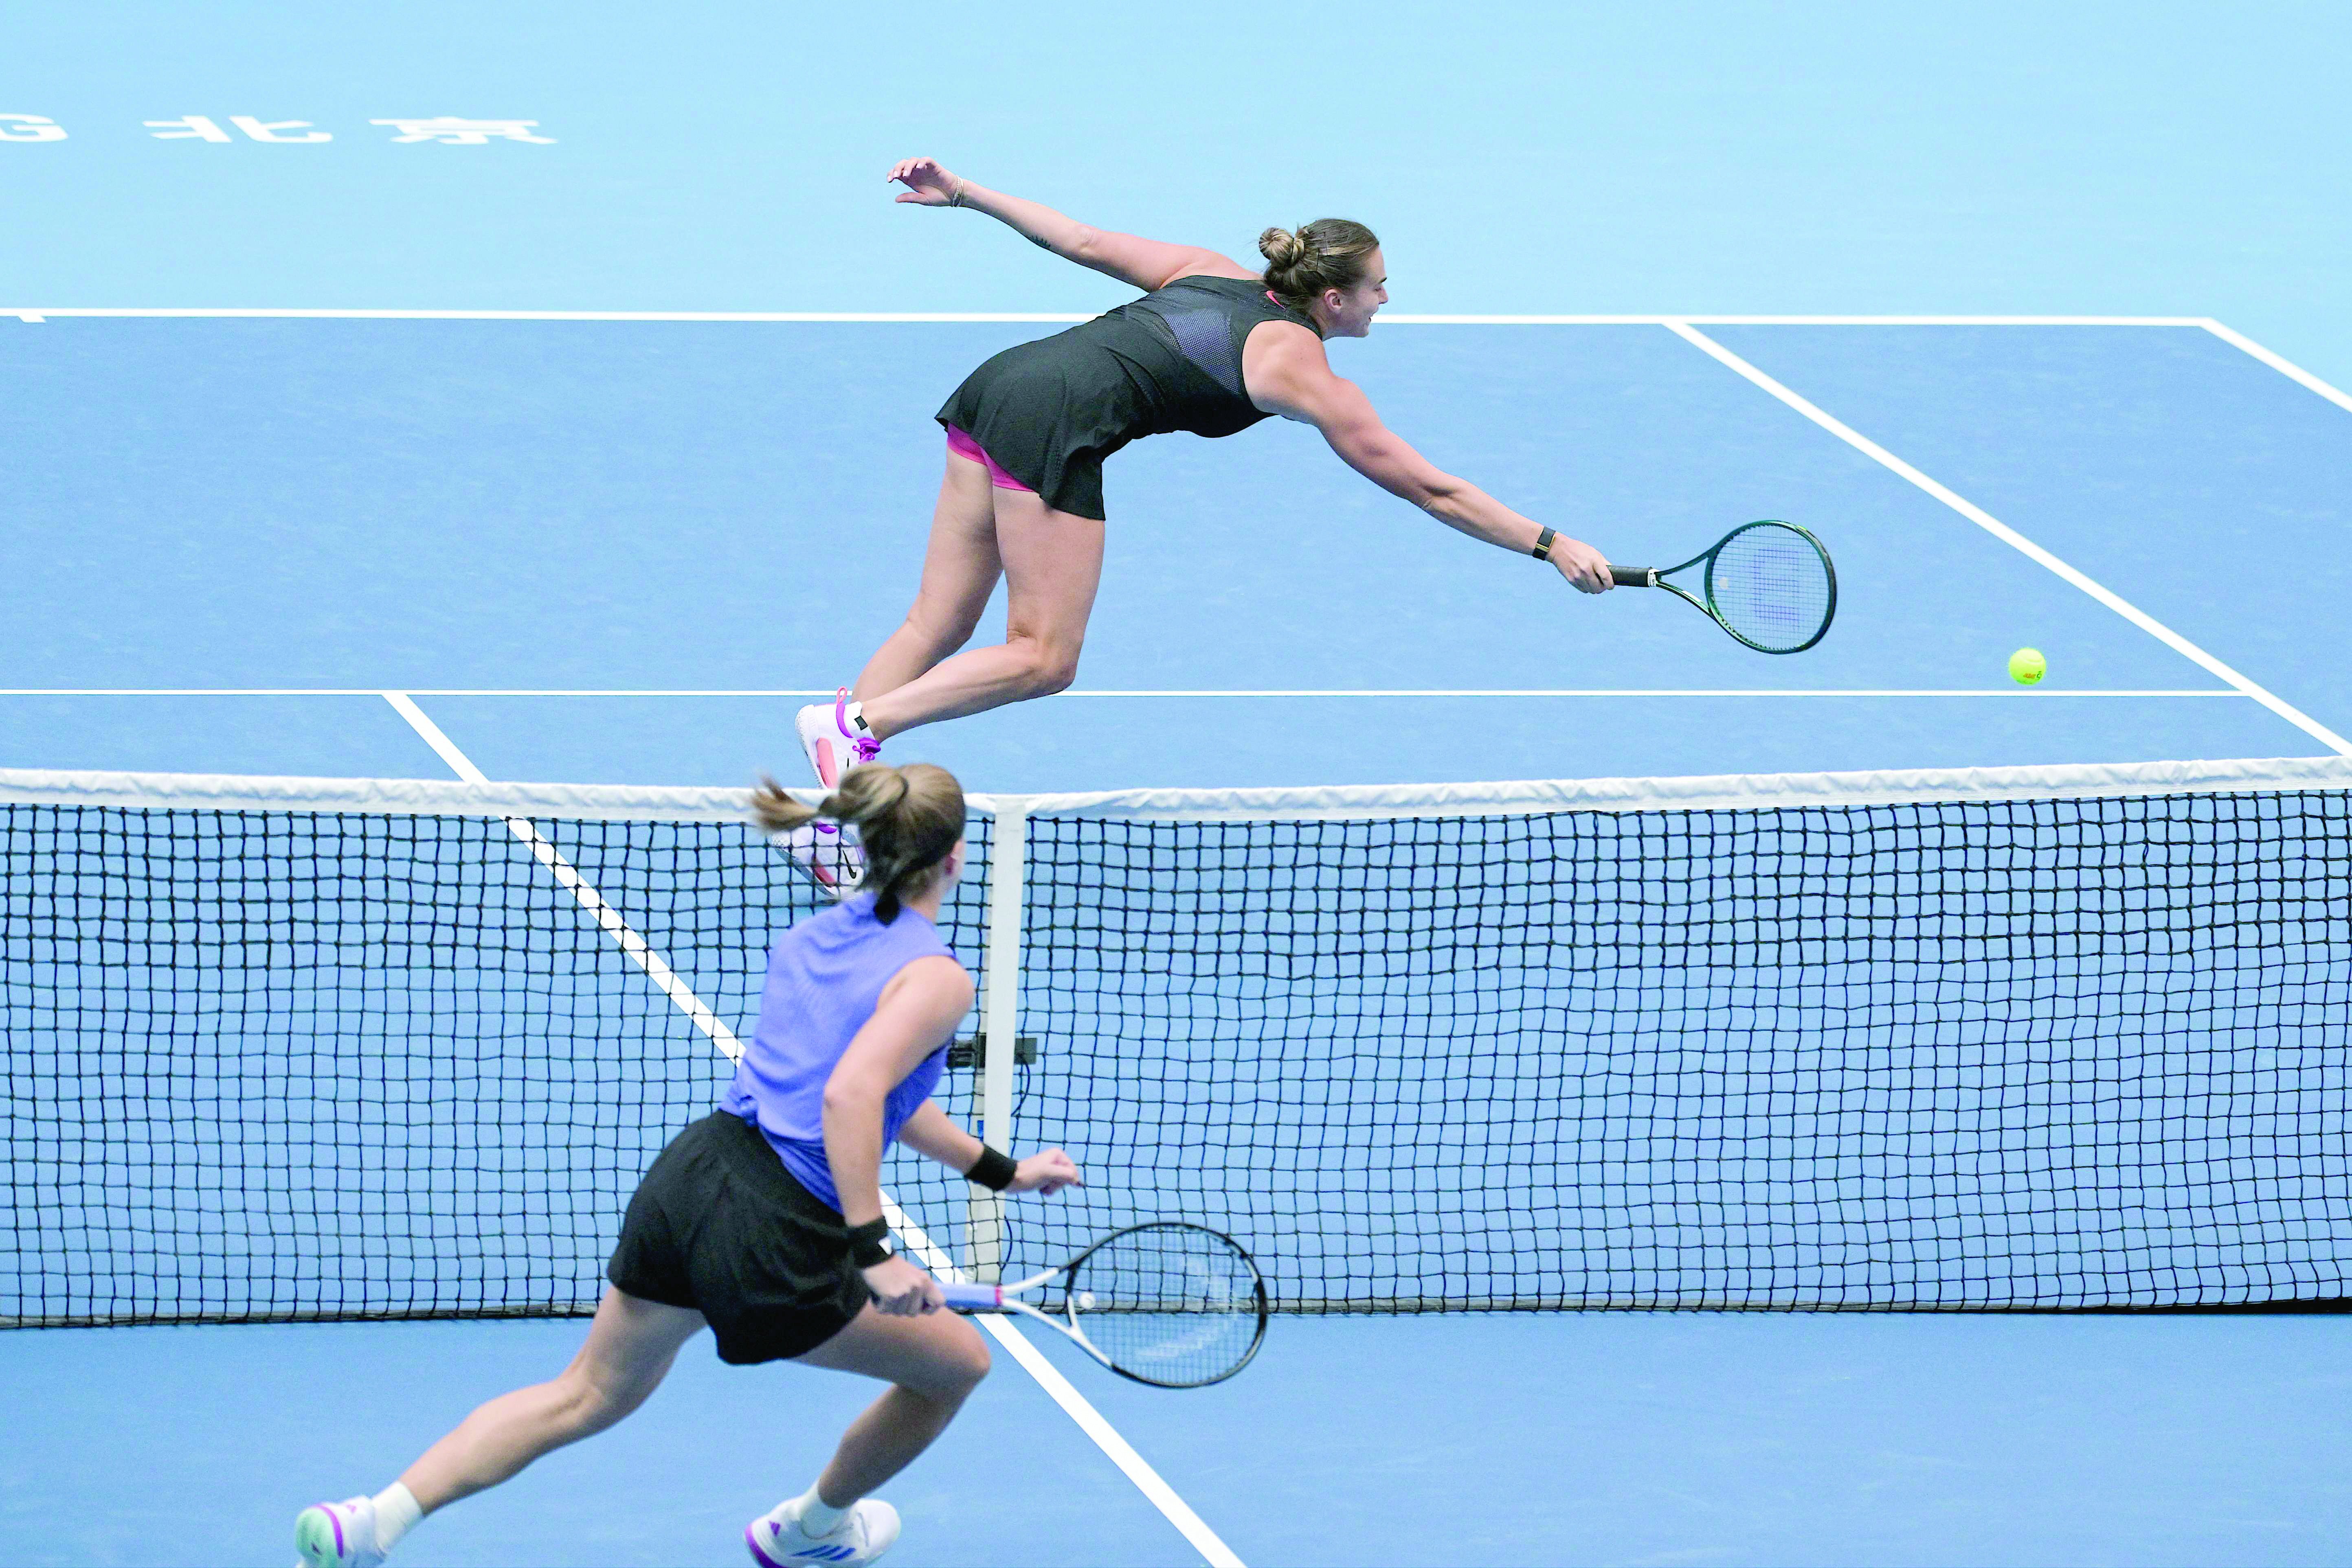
(963, 446)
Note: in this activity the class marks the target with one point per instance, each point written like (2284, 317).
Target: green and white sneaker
(337, 1535)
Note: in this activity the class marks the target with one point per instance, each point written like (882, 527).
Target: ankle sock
(817, 1518)
(396, 1514)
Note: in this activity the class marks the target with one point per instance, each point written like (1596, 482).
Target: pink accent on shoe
(867, 751)
(963, 446)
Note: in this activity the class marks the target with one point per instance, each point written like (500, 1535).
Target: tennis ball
(1085, 1301)
(2027, 667)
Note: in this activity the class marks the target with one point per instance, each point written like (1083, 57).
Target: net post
(1000, 1026)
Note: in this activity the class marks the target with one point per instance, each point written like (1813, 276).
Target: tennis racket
(1769, 583)
(1174, 1305)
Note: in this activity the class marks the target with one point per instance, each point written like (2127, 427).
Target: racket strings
(1170, 1304)
(1770, 586)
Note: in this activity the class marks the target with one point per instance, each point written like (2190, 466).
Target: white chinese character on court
(452, 132)
(266, 130)
(30, 128)
(188, 127)
(202, 128)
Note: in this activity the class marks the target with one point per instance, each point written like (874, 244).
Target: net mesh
(269, 1067)
(274, 1065)
(2046, 1053)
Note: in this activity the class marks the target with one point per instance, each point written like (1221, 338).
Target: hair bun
(1330, 253)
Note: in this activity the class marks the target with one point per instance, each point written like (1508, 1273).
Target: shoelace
(866, 750)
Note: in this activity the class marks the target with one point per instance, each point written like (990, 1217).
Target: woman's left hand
(1047, 1172)
(926, 183)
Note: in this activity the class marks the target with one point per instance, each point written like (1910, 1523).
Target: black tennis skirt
(719, 1226)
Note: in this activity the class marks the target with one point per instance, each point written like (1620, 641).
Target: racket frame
(979, 1297)
(1655, 577)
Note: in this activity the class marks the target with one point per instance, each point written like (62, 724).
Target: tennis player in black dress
(1213, 348)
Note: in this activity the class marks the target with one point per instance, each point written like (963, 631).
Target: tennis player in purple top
(1212, 347)
(763, 1220)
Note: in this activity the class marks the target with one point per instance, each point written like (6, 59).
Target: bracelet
(957, 200)
(1543, 544)
(994, 1169)
(869, 1243)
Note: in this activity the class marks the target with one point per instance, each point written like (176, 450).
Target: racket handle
(973, 1297)
(1634, 576)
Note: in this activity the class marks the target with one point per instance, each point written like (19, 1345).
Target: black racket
(1174, 1305)
(1769, 583)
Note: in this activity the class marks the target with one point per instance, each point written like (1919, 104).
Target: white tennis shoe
(832, 862)
(337, 1535)
(834, 742)
(865, 1532)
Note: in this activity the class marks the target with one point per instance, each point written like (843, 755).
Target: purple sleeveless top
(825, 977)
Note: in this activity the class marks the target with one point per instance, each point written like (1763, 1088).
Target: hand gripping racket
(1174, 1305)
(1770, 585)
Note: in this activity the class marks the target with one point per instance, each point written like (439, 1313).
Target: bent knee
(1051, 668)
(958, 1367)
(942, 627)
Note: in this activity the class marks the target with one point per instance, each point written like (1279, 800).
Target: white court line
(1998, 692)
(2291, 372)
(2017, 540)
(36, 313)
(1074, 1404)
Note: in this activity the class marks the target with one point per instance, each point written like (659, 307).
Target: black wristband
(994, 1169)
(866, 1241)
(1543, 544)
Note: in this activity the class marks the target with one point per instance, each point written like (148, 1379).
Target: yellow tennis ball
(2027, 667)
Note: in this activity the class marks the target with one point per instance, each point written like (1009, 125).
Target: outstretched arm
(1145, 264)
(1286, 372)
(933, 1133)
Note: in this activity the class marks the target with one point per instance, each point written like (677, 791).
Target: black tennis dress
(1049, 412)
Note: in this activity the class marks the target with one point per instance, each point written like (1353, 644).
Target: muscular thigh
(1053, 564)
(926, 1354)
(961, 564)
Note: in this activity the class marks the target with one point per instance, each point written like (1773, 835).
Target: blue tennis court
(497, 527)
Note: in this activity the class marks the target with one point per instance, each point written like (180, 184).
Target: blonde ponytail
(907, 820)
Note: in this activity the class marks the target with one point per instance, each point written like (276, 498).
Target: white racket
(1170, 1304)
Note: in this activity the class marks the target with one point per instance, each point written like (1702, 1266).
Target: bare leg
(960, 571)
(934, 1360)
(630, 1346)
(1052, 563)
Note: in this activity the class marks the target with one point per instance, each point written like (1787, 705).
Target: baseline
(32, 313)
(397, 697)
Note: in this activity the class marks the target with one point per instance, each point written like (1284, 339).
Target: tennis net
(2004, 1038)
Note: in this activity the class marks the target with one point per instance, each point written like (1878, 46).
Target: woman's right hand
(1586, 568)
(901, 1290)
(928, 185)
